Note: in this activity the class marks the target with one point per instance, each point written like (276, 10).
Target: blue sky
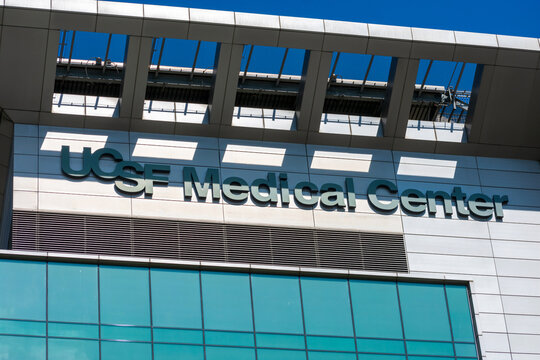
(498, 17)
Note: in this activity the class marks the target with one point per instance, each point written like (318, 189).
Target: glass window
(429, 348)
(281, 341)
(74, 330)
(380, 357)
(73, 294)
(330, 356)
(271, 354)
(381, 346)
(176, 298)
(424, 311)
(226, 301)
(19, 327)
(221, 353)
(115, 350)
(22, 348)
(466, 350)
(330, 343)
(229, 338)
(61, 349)
(124, 295)
(175, 352)
(24, 281)
(460, 315)
(276, 304)
(133, 333)
(327, 309)
(178, 336)
(376, 309)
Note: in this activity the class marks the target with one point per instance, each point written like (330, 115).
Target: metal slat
(185, 240)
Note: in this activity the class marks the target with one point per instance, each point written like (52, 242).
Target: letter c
(372, 195)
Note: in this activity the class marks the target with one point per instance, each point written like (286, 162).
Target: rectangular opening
(89, 73)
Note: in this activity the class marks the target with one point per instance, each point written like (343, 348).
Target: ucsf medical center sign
(131, 177)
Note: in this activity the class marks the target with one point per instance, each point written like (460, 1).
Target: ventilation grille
(87, 234)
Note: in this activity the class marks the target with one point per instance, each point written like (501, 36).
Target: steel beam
(479, 100)
(226, 74)
(312, 92)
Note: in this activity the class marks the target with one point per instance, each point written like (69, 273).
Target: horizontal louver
(88, 234)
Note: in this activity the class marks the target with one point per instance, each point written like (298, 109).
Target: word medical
(131, 177)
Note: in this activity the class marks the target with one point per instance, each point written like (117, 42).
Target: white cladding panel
(500, 258)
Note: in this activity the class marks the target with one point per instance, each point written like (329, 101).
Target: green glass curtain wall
(52, 311)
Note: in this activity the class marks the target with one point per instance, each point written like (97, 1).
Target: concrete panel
(265, 216)
(475, 47)
(509, 178)
(447, 245)
(350, 166)
(83, 204)
(519, 286)
(18, 67)
(491, 323)
(177, 210)
(74, 15)
(174, 140)
(25, 200)
(454, 161)
(340, 152)
(505, 231)
(25, 182)
(432, 44)
(440, 174)
(450, 132)
(516, 249)
(345, 36)
(525, 343)
(256, 29)
(451, 264)
(92, 135)
(25, 163)
(420, 130)
(521, 305)
(388, 40)
(523, 324)
(38, 18)
(443, 227)
(60, 184)
(495, 342)
(521, 215)
(355, 221)
(211, 25)
(508, 164)
(174, 155)
(165, 21)
(25, 130)
(519, 268)
(122, 18)
(271, 162)
(301, 33)
(25, 145)
(517, 197)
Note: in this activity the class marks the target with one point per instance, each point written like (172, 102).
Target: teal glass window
(115, 350)
(84, 331)
(381, 346)
(274, 354)
(24, 281)
(229, 338)
(124, 295)
(22, 348)
(73, 293)
(380, 357)
(61, 349)
(281, 341)
(312, 355)
(376, 309)
(465, 350)
(327, 310)
(175, 352)
(276, 304)
(221, 353)
(460, 314)
(176, 299)
(226, 301)
(430, 348)
(178, 336)
(133, 333)
(423, 307)
(19, 327)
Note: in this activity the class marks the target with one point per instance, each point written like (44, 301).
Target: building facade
(162, 211)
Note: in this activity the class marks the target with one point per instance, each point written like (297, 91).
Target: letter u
(86, 163)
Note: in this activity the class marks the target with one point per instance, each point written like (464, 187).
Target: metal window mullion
(47, 310)
(202, 314)
(352, 317)
(151, 316)
(449, 321)
(253, 316)
(99, 308)
(303, 317)
(401, 319)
